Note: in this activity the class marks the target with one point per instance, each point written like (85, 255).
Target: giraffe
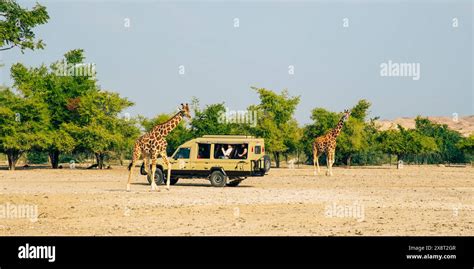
(327, 144)
(153, 144)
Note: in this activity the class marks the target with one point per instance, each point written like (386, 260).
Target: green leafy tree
(391, 142)
(354, 137)
(61, 93)
(17, 23)
(129, 130)
(210, 121)
(445, 138)
(22, 125)
(403, 142)
(466, 145)
(352, 140)
(275, 120)
(99, 129)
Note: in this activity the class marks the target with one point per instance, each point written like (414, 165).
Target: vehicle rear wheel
(218, 179)
(266, 163)
(159, 178)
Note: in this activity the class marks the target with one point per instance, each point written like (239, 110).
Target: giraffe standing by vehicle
(153, 143)
(327, 144)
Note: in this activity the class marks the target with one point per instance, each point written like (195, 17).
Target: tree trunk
(99, 157)
(298, 158)
(13, 156)
(349, 159)
(277, 159)
(54, 158)
(121, 159)
(398, 162)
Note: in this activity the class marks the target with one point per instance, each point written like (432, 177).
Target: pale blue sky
(334, 66)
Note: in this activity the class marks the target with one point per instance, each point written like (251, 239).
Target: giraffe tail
(130, 166)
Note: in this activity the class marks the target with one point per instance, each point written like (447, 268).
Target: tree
(62, 95)
(209, 121)
(445, 138)
(403, 142)
(353, 138)
(361, 110)
(99, 128)
(22, 125)
(275, 120)
(391, 142)
(17, 23)
(128, 128)
(467, 145)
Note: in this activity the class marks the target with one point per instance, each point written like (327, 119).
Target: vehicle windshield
(182, 153)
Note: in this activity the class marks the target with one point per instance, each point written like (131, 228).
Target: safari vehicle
(225, 160)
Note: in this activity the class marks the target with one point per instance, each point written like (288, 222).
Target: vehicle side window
(204, 151)
(258, 149)
(241, 151)
(183, 153)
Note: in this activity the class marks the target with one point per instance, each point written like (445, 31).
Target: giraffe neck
(165, 128)
(336, 131)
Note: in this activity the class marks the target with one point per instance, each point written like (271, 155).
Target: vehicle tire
(159, 178)
(173, 181)
(266, 163)
(234, 183)
(218, 179)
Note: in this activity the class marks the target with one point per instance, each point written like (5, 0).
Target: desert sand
(415, 200)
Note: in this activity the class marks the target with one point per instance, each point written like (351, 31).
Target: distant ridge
(464, 125)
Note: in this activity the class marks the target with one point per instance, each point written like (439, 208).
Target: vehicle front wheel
(218, 179)
(159, 178)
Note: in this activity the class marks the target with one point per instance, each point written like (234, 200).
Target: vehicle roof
(225, 139)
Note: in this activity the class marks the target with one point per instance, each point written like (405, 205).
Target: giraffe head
(185, 111)
(346, 115)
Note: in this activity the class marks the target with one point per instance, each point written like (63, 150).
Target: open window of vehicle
(204, 151)
(182, 153)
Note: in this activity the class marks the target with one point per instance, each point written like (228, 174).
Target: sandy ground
(416, 200)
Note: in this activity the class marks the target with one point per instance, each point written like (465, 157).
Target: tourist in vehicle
(243, 152)
(227, 152)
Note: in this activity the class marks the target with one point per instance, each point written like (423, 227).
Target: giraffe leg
(168, 165)
(131, 167)
(328, 163)
(153, 170)
(146, 165)
(331, 161)
(316, 161)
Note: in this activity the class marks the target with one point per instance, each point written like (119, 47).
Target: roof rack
(228, 136)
